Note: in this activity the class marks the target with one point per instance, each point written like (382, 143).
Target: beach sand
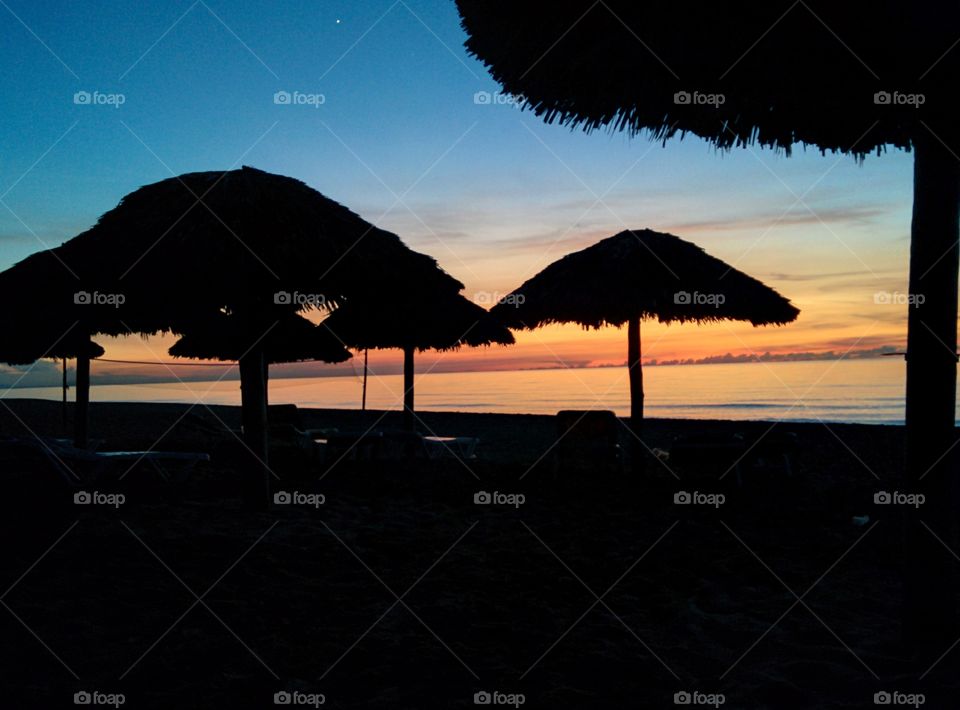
(492, 597)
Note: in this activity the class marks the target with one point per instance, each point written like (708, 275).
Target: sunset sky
(492, 192)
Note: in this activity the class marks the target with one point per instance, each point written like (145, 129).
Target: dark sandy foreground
(190, 602)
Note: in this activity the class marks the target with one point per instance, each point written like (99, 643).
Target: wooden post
(930, 621)
(65, 417)
(253, 403)
(636, 393)
(81, 414)
(409, 422)
(636, 374)
(363, 403)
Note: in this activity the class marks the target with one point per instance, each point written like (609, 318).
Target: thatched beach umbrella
(18, 349)
(239, 241)
(49, 316)
(234, 240)
(288, 338)
(285, 337)
(853, 77)
(635, 275)
(443, 321)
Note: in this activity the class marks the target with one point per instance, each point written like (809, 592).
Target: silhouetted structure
(852, 77)
(50, 317)
(240, 241)
(285, 337)
(443, 320)
(635, 275)
(282, 335)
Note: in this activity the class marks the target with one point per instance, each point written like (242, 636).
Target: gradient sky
(492, 192)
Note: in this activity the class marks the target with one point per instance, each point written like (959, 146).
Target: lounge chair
(587, 438)
(80, 467)
(386, 445)
(396, 445)
(453, 447)
(287, 417)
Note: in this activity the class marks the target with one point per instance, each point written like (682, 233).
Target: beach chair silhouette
(79, 467)
(587, 439)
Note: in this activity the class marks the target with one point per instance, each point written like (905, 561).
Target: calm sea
(867, 391)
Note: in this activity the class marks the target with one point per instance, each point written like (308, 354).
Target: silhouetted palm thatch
(787, 73)
(206, 241)
(635, 275)
(442, 323)
(21, 350)
(232, 240)
(641, 274)
(290, 338)
(45, 314)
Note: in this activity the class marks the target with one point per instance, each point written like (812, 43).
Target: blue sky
(491, 191)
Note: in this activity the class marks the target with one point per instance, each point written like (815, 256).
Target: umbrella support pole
(253, 404)
(636, 394)
(363, 402)
(409, 423)
(64, 412)
(81, 414)
(930, 613)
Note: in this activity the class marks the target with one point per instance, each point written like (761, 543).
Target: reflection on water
(842, 391)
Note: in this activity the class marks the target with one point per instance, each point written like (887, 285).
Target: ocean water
(865, 391)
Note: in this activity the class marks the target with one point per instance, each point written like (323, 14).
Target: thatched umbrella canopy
(641, 274)
(16, 351)
(853, 77)
(234, 240)
(240, 241)
(786, 74)
(438, 322)
(289, 338)
(49, 314)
